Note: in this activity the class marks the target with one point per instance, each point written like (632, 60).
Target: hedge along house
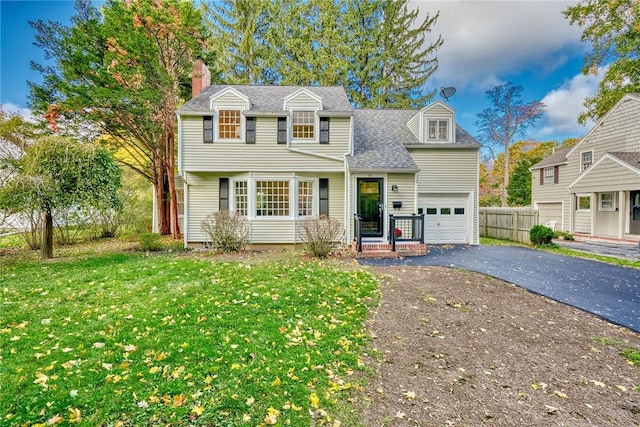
(593, 188)
(280, 154)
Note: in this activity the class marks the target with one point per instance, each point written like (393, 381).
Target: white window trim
(582, 168)
(578, 197)
(293, 197)
(216, 124)
(613, 202)
(438, 119)
(316, 124)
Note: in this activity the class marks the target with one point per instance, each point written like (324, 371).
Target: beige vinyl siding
(228, 99)
(446, 170)
(450, 170)
(405, 194)
(439, 111)
(553, 193)
(302, 101)
(582, 222)
(414, 125)
(618, 132)
(608, 175)
(202, 200)
(338, 145)
(264, 155)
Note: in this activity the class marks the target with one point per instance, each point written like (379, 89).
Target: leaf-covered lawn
(134, 340)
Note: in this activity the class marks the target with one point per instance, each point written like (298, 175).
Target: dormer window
(303, 125)
(438, 130)
(229, 124)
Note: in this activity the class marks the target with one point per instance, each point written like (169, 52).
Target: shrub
(150, 242)
(540, 235)
(227, 231)
(564, 235)
(320, 235)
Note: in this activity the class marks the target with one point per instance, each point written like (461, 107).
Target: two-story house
(593, 188)
(280, 154)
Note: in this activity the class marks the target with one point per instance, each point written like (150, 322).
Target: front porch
(407, 238)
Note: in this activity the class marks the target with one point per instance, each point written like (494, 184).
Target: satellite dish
(447, 92)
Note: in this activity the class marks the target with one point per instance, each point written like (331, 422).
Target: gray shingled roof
(560, 156)
(270, 99)
(631, 158)
(379, 138)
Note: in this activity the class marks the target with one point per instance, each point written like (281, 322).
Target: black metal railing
(406, 228)
(357, 231)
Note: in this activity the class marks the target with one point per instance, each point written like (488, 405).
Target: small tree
(58, 173)
(505, 119)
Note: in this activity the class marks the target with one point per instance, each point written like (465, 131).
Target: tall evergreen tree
(375, 49)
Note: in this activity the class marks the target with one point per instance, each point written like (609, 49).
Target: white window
(229, 124)
(438, 130)
(305, 198)
(272, 198)
(607, 202)
(583, 202)
(586, 159)
(241, 197)
(549, 175)
(303, 125)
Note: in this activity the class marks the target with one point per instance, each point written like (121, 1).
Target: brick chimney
(201, 78)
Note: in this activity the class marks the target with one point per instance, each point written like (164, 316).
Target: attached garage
(447, 217)
(551, 211)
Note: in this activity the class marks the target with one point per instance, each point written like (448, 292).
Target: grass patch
(141, 340)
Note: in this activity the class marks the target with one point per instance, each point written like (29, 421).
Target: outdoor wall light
(394, 187)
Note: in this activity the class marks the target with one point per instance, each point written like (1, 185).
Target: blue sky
(486, 43)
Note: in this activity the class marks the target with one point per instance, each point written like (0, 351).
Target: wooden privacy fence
(507, 223)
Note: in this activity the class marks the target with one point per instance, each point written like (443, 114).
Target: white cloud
(486, 39)
(16, 109)
(565, 103)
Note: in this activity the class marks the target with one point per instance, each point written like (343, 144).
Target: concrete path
(608, 291)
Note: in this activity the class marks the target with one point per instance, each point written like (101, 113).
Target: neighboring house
(593, 188)
(280, 154)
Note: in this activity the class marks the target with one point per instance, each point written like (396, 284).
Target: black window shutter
(207, 129)
(324, 196)
(542, 176)
(324, 130)
(224, 194)
(250, 130)
(556, 174)
(282, 130)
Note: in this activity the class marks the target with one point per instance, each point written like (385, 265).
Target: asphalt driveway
(608, 291)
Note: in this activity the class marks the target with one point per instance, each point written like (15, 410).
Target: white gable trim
(593, 167)
(625, 98)
(300, 92)
(243, 98)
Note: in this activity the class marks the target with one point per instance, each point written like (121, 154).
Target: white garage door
(550, 212)
(445, 217)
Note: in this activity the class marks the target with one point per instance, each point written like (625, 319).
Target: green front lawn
(129, 339)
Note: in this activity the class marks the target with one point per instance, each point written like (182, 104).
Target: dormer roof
(271, 99)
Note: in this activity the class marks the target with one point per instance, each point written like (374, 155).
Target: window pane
(438, 130)
(303, 124)
(272, 198)
(442, 129)
(548, 175)
(587, 159)
(606, 201)
(305, 198)
(229, 124)
(584, 202)
(432, 211)
(458, 211)
(445, 211)
(241, 199)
